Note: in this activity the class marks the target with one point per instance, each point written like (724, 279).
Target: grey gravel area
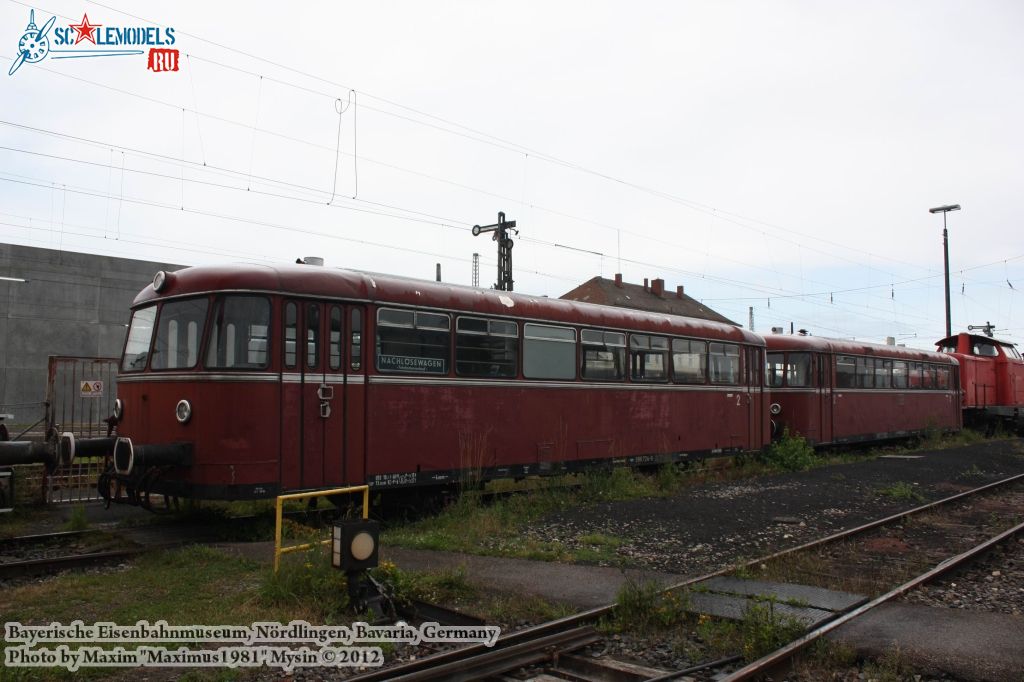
(994, 584)
(715, 524)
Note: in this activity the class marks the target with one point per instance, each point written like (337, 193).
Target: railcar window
(865, 372)
(290, 329)
(335, 337)
(312, 336)
(410, 341)
(356, 351)
(239, 333)
(776, 369)
(486, 348)
(603, 355)
(648, 356)
(883, 373)
(928, 376)
(985, 349)
(724, 363)
(899, 374)
(549, 352)
(689, 361)
(846, 371)
(178, 333)
(914, 375)
(798, 370)
(1010, 352)
(948, 348)
(942, 377)
(140, 333)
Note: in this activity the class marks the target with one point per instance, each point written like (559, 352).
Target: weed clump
(78, 520)
(790, 453)
(763, 629)
(643, 606)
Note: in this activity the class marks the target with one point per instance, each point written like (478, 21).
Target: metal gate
(80, 393)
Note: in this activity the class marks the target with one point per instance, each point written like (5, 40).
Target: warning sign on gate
(91, 389)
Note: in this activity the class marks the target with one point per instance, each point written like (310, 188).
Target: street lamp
(945, 251)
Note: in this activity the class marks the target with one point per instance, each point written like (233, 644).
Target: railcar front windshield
(140, 334)
(179, 332)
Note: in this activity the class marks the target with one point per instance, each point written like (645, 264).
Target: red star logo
(85, 30)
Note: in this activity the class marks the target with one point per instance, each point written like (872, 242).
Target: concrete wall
(72, 304)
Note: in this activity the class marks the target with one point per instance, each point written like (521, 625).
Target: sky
(779, 156)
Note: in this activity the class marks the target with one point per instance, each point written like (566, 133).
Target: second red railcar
(833, 391)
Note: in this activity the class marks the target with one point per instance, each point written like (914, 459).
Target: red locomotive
(992, 375)
(832, 391)
(246, 381)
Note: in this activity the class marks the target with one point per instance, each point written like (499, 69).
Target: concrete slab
(581, 586)
(734, 607)
(815, 597)
(967, 645)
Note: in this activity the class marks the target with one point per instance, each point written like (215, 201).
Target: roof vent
(313, 260)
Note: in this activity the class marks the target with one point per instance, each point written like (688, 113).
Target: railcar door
(823, 383)
(311, 431)
(755, 399)
(354, 403)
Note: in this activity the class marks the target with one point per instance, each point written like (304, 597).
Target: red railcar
(832, 391)
(245, 381)
(992, 376)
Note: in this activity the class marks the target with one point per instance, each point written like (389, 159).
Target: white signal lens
(362, 546)
(183, 411)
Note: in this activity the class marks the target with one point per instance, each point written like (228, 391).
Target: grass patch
(901, 491)
(77, 520)
(790, 453)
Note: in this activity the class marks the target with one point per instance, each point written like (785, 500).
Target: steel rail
(779, 655)
(49, 565)
(591, 615)
(501, 660)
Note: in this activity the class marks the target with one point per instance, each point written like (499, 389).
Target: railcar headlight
(118, 409)
(159, 281)
(775, 409)
(183, 411)
(355, 545)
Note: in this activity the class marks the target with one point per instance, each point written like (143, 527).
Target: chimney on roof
(647, 284)
(618, 279)
(679, 291)
(658, 287)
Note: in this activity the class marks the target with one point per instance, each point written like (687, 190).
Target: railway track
(552, 642)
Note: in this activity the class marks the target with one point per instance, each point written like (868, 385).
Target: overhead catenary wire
(518, 148)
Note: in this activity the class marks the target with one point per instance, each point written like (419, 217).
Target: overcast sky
(780, 155)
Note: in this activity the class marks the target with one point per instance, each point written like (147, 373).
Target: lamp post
(945, 253)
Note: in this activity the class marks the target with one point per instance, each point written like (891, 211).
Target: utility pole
(751, 313)
(501, 230)
(476, 269)
(945, 254)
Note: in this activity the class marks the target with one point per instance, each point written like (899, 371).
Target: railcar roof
(974, 337)
(823, 344)
(323, 282)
